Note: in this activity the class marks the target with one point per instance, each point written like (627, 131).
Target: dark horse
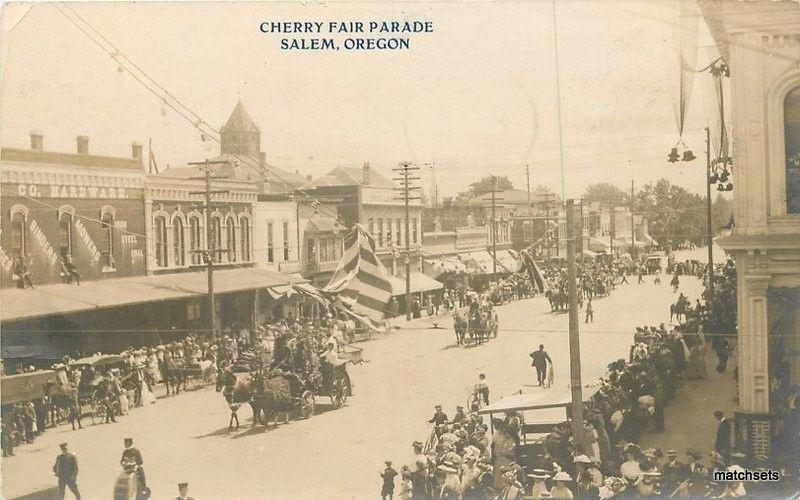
(172, 374)
(267, 394)
(558, 300)
(677, 310)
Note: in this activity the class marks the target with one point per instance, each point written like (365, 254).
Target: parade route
(339, 453)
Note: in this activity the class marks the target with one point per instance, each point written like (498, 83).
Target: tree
(673, 213)
(721, 213)
(606, 193)
(485, 185)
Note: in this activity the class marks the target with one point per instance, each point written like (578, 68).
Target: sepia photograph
(400, 249)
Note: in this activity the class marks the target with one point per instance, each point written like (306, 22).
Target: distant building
(370, 199)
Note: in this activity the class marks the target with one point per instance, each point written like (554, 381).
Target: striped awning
(360, 275)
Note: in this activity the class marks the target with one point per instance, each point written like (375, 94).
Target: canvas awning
(540, 400)
(419, 283)
(508, 261)
(478, 262)
(47, 300)
(447, 264)
(589, 253)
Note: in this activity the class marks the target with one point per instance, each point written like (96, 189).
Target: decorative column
(753, 422)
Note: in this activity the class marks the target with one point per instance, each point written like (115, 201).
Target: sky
(478, 96)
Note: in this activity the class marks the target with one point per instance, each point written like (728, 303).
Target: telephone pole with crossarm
(211, 252)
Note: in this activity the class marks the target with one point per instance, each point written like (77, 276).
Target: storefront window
(160, 226)
(194, 240)
(230, 238)
(270, 243)
(285, 241)
(65, 230)
(398, 228)
(107, 221)
(244, 229)
(216, 236)
(791, 123)
(18, 247)
(180, 247)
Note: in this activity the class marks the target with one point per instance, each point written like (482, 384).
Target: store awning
(47, 300)
(589, 253)
(478, 262)
(508, 261)
(446, 264)
(419, 283)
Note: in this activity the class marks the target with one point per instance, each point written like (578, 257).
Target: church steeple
(240, 135)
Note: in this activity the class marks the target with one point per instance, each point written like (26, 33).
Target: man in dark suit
(723, 442)
(133, 455)
(540, 359)
(66, 470)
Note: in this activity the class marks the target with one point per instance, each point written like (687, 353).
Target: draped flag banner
(360, 275)
(537, 280)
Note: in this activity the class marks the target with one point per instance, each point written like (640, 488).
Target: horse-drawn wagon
(474, 327)
(291, 386)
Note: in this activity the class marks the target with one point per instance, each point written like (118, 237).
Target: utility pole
(406, 181)
(494, 230)
(611, 226)
(580, 232)
(530, 217)
(633, 227)
(210, 253)
(709, 229)
(574, 337)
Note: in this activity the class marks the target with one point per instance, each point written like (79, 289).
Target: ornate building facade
(760, 42)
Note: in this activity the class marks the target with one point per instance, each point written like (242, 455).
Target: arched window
(244, 229)
(160, 231)
(107, 222)
(791, 124)
(18, 238)
(194, 240)
(230, 238)
(65, 232)
(216, 237)
(178, 242)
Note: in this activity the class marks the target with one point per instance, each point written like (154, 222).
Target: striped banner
(537, 280)
(360, 275)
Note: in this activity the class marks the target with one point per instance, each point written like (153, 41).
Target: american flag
(537, 280)
(360, 275)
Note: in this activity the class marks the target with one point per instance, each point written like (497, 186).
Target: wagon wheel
(307, 404)
(339, 391)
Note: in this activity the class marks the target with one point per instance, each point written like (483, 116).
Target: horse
(677, 310)
(267, 394)
(172, 375)
(460, 325)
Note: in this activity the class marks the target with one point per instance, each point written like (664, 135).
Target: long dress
(503, 455)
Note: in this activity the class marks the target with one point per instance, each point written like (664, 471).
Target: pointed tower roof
(240, 120)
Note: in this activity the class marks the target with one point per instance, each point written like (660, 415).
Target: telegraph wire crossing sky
(477, 94)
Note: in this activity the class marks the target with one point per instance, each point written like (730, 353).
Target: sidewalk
(689, 417)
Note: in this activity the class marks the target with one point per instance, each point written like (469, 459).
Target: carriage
(282, 390)
(474, 328)
(91, 387)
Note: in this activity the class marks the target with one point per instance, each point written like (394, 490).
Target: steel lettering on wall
(64, 191)
(87, 240)
(40, 238)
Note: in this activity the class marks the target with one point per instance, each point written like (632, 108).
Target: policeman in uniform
(183, 492)
(133, 455)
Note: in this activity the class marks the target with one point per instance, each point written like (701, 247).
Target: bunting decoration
(360, 275)
(537, 280)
